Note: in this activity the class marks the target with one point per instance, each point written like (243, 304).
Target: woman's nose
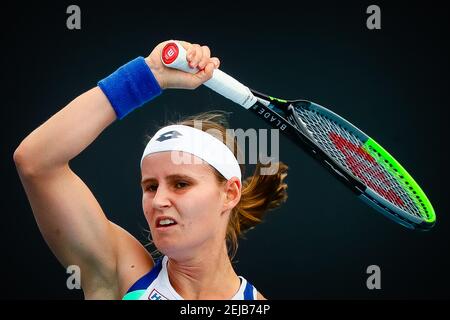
(161, 198)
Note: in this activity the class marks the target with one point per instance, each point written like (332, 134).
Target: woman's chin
(165, 246)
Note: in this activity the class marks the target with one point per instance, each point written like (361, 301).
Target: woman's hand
(197, 56)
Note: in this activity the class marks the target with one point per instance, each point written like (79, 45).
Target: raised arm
(67, 213)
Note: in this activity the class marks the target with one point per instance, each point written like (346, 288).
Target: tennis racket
(349, 154)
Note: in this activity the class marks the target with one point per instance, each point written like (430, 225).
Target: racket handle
(174, 56)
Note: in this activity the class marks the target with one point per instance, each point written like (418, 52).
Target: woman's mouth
(165, 223)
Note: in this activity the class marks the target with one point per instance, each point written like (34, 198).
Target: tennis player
(194, 196)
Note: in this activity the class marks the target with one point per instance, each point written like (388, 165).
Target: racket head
(369, 169)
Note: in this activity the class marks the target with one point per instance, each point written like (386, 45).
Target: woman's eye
(181, 185)
(178, 185)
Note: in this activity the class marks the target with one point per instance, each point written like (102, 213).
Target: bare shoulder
(133, 260)
(259, 296)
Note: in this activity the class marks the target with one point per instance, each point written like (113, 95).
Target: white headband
(196, 142)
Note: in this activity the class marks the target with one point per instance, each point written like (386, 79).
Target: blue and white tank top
(155, 285)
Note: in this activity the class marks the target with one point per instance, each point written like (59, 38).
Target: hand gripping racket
(351, 156)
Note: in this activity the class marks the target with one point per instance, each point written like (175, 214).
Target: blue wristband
(130, 86)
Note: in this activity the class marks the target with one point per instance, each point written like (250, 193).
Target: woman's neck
(204, 277)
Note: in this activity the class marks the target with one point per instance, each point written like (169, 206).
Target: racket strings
(348, 150)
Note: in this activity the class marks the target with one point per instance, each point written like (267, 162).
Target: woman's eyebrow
(171, 177)
(147, 180)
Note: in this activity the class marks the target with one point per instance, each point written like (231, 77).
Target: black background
(392, 83)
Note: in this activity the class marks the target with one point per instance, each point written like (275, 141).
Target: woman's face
(188, 195)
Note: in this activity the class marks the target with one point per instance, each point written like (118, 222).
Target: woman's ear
(233, 193)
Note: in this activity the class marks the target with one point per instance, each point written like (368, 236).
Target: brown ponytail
(260, 193)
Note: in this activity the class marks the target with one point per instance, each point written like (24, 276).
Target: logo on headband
(169, 135)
